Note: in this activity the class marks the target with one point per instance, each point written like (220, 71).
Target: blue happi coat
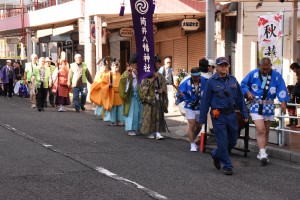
(188, 95)
(254, 84)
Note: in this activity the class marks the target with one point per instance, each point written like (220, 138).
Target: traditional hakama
(132, 109)
(134, 119)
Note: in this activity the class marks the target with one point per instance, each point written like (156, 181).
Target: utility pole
(210, 28)
(294, 31)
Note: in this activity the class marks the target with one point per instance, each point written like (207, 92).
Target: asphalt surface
(52, 155)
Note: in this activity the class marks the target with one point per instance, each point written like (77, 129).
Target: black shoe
(82, 108)
(264, 161)
(39, 109)
(77, 110)
(217, 162)
(227, 171)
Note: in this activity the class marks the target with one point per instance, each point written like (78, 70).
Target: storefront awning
(61, 30)
(43, 33)
(54, 31)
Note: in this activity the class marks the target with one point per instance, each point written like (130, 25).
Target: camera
(194, 104)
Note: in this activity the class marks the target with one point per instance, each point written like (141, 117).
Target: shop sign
(126, 32)
(190, 24)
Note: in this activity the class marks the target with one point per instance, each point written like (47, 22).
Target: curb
(273, 152)
(177, 132)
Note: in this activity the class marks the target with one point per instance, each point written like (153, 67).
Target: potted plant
(180, 76)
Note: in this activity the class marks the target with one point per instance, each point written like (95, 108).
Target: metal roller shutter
(166, 49)
(180, 54)
(196, 49)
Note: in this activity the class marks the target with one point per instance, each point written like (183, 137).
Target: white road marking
(115, 176)
(47, 145)
(101, 170)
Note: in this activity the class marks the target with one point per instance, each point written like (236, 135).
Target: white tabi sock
(262, 151)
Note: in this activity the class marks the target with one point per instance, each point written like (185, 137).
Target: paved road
(51, 155)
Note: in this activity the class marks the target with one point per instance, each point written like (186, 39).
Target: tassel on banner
(153, 6)
(122, 9)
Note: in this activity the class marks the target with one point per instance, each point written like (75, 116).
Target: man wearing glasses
(223, 94)
(167, 71)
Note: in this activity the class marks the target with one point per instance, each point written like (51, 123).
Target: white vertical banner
(98, 36)
(93, 31)
(81, 31)
(270, 39)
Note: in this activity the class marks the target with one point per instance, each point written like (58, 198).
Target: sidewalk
(178, 128)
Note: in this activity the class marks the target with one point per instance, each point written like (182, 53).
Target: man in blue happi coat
(261, 86)
(191, 91)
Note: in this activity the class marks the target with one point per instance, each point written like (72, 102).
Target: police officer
(223, 94)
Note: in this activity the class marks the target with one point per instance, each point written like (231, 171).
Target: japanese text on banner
(270, 39)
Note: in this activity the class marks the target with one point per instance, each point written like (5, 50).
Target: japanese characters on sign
(270, 39)
(190, 24)
(126, 32)
(143, 29)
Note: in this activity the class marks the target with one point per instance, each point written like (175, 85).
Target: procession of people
(210, 95)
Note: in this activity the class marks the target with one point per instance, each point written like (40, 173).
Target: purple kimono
(7, 74)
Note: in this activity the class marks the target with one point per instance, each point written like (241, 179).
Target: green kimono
(125, 93)
(154, 105)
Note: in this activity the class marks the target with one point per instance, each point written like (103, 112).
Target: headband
(196, 74)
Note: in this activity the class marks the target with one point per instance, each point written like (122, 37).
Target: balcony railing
(12, 12)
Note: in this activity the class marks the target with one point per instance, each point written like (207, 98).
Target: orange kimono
(95, 95)
(110, 90)
(117, 98)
